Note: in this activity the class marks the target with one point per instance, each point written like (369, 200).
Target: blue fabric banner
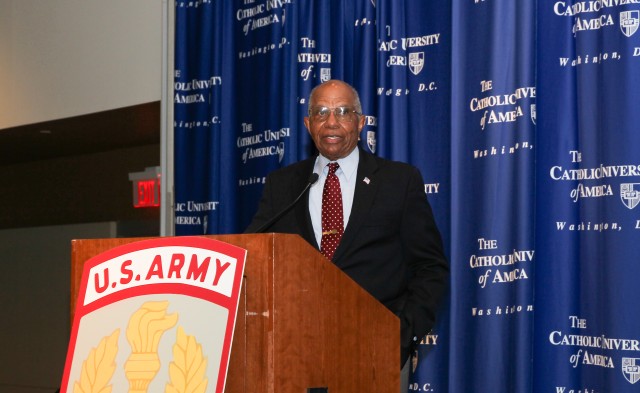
(492, 157)
(587, 331)
(536, 202)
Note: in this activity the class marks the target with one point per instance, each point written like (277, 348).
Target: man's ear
(361, 123)
(306, 123)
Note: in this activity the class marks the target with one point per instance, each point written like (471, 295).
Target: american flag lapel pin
(366, 180)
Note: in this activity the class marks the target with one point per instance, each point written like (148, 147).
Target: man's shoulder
(386, 164)
(297, 168)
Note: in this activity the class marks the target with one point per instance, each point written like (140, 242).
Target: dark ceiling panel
(137, 125)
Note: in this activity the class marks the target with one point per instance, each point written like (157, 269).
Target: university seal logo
(371, 141)
(631, 369)
(280, 151)
(629, 21)
(325, 74)
(630, 194)
(416, 62)
(533, 113)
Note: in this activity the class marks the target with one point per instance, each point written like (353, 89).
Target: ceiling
(103, 131)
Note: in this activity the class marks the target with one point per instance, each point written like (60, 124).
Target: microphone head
(313, 178)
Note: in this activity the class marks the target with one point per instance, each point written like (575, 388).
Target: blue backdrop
(588, 223)
(520, 115)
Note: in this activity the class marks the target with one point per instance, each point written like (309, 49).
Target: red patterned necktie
(332, 220)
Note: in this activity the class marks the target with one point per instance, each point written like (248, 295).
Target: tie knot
(333, 167)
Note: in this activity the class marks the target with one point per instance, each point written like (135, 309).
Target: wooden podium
(302, 323)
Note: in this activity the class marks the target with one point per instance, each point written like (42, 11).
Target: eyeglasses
(341, 113)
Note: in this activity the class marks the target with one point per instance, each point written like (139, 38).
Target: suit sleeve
(427, 264)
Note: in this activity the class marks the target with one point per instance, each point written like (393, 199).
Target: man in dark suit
(388, 242)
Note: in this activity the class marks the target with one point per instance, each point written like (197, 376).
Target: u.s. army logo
(122, 333)
(630, 194)
(631, 369)
(186, 373)
(416, 62)
(629, 21)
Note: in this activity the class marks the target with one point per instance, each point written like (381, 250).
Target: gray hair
(356, 103)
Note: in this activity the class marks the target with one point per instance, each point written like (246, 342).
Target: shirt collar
(348, 164)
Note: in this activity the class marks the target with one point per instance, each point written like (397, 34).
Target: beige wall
(59, 59)
(63, 58)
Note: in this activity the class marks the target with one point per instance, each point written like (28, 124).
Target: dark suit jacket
(391, 245)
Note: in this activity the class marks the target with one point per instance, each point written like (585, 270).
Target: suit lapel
(363, 197)
(302, 209)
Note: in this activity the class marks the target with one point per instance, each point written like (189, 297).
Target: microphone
(312, 179)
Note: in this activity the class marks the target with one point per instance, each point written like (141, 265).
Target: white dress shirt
(346, 175)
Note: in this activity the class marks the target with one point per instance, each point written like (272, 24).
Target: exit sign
(146, 187)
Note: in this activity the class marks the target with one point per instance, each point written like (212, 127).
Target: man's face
(334, 138)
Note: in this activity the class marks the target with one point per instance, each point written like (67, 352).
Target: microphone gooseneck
(312, 179)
